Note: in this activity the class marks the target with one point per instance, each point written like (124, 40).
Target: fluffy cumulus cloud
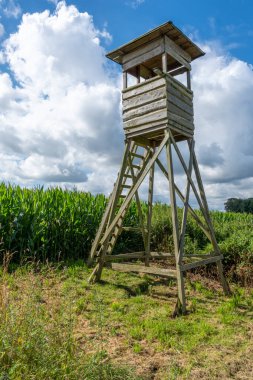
(60, 109)
(60, 120)
(223, 91)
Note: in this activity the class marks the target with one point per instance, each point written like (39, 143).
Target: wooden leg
(180, 279)
(223, 280)
(150, 205)
(180, 307)
(186, 206)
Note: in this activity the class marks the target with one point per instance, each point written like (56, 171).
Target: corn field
(57, 224)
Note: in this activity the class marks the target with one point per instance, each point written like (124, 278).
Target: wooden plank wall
(180, 106)
(145, 105)
(155, 103)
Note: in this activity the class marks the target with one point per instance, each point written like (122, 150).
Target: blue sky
(229, 21)
(60, 100)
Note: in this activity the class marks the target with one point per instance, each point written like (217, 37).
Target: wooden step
(137, 156)
(128, 267)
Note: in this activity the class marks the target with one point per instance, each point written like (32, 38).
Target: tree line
(239, 205)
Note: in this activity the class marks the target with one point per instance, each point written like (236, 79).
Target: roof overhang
(168, 29)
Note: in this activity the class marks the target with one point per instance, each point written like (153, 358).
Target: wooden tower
(157, 115)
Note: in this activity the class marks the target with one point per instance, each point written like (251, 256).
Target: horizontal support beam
(132, 229)
(143, 269)
(199, 255)
(199, 263)
(161, 255)
(122, 256)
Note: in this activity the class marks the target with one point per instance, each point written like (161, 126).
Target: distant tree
(239, 205)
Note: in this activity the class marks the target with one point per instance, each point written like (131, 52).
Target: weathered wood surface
(148, 85)
(173, 53)
(172, 90)
(180, 70)
(147, 132)
(141, 99)
(123, 256)
(179, 112)
(179, 86)
(149, 118)
(145, 108)
(169, 44)
(161, 255)
(143, 49)
(199, 263)
(142, 58)
(179, 131)
(181, 104)
(186, 205)
(128, 267)
(170, 30)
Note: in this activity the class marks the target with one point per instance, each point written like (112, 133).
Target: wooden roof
(168, 29)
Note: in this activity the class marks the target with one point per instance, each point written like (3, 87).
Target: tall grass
(37, 332)
(57, 224)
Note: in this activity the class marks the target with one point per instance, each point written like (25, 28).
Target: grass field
(56, 326)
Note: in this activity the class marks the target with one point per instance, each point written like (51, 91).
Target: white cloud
(223, 92)
(62, 122)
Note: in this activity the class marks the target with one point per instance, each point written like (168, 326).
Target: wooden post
(186, 205)
(124, 80)
(223, 280)
(181, 306)
(138, 74)
(164, 62)
(150, 205)
(188, 73)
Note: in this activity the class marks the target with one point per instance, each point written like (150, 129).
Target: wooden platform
(128, 267)
(198, 260)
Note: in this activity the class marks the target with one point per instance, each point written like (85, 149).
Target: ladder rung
(137, 155)
(127, 176)
(122, 196)
(136, 167)
(135, 229)
(127, 186)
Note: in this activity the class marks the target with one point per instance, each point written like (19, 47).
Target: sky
(60, 98)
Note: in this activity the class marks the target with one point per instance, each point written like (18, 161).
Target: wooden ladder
(132, 167)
